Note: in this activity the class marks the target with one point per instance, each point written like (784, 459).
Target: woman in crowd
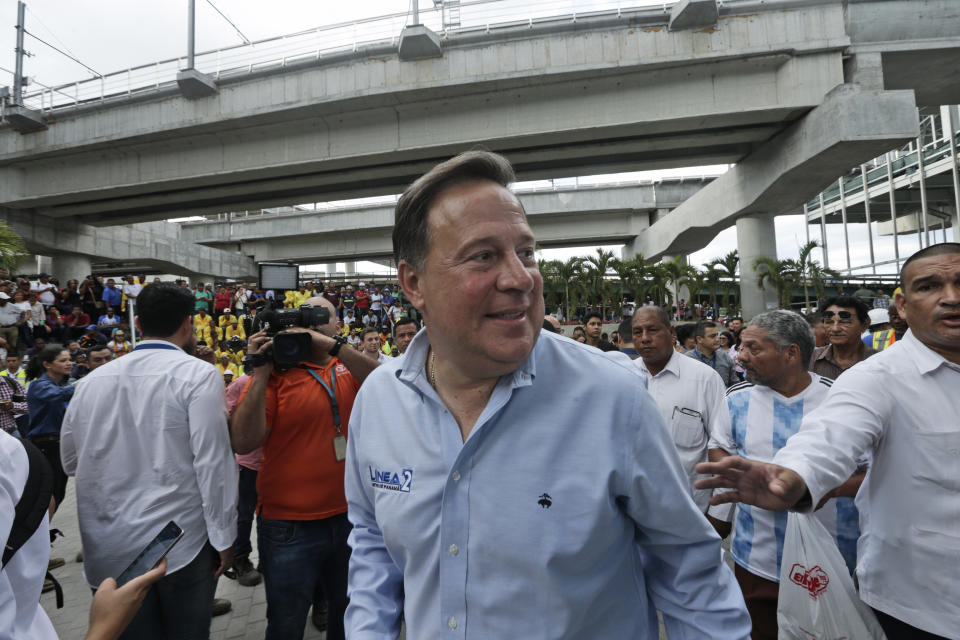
(47, 397)
(54, 325)
(20, 302)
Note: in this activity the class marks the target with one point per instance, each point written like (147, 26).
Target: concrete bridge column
(756, 238)
(70, 266)
(350, 268)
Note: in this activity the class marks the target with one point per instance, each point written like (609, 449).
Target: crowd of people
(483, 476)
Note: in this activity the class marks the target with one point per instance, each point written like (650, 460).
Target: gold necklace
(432, 373)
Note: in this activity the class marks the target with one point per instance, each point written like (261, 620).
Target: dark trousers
(50, 448)
(179, 604)
(246, 506)
(760, 595)
(296, 556)
(898, 630)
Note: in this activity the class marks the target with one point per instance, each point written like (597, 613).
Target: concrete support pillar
(330, 267)
(350, 267)
(67, 266)
(756, 238)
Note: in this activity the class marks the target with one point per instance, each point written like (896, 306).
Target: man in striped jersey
(754, 423)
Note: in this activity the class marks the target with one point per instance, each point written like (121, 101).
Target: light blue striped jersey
(757, 424)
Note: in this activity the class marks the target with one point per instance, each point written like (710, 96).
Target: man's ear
(901, 301)
(411, 280)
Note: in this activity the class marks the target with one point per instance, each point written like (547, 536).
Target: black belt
(44, 439)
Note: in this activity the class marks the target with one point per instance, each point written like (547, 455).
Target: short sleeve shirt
(300, 478)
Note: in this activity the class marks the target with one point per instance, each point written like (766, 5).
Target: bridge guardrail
(322, 42)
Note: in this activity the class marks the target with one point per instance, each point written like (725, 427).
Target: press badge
(340, 447)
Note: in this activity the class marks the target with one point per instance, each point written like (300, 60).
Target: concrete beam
(194, 84)
(602, 214)
(156, 244)
(850, 127)
(417, 42)
(756, 238)
(688, 14)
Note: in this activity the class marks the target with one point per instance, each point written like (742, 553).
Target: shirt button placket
(452, 623)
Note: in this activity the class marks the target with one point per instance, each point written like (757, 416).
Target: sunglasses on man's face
(843, 317)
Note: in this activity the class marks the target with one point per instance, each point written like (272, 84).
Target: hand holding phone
(153, 553)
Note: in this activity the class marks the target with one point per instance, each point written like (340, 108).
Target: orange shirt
(300, 477)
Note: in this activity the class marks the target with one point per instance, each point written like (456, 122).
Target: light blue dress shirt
(565, 514)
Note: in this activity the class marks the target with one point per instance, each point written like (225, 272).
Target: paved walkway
(246, 621)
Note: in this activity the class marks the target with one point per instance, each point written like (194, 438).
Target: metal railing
(902, 162)
(314, 45)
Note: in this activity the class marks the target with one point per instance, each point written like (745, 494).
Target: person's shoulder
(559, 355)
(693, 367)
(740, 387)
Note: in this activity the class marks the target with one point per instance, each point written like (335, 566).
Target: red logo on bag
(814, 580)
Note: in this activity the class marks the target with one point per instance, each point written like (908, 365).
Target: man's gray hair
(785, 328)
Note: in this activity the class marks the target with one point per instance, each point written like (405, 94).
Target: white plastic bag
(817, 599)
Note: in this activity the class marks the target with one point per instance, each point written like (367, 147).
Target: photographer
(300, 418)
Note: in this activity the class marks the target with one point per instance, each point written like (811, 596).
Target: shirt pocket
(938, 457)
(687, 431)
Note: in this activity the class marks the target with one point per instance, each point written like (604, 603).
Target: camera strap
(330, 391)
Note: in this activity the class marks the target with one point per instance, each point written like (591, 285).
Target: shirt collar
(163, 342)
(926, 358)
(414, 361)
(672, 366)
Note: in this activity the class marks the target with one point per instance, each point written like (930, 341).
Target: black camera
(236, 344)
(290, 348)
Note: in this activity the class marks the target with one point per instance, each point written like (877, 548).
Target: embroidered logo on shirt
(814, 580)
(391, 480)
(545, 501)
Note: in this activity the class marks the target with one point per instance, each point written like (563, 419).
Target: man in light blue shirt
(508, 483)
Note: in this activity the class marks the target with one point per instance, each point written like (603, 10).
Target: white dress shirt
(689, 395)
(21, 580)
(903, 406)
(146, 437)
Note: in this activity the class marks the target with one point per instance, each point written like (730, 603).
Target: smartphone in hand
(152, 554)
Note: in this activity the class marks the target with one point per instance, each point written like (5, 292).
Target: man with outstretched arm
(910, 498)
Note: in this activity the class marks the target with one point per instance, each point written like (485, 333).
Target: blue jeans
(294, 557)
(179, 605)
(246, 506)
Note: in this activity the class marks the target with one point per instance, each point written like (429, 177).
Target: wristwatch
(253, 360)
(335, 349)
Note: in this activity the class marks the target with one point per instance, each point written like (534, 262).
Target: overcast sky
(113, 35)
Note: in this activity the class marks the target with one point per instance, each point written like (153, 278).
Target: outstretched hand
(763, 485)
(114, 607)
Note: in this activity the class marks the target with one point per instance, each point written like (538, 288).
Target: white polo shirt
(689, 394)
(901, 405)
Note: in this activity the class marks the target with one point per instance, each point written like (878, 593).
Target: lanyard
(154, 345)
(333, 396)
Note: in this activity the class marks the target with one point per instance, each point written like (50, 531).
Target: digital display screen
(279, 276)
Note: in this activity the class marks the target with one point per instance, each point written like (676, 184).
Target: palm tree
(658, 285)
(781, 274)
(713, 277)
(12, 248)
(595, 270)
(677, 273)
(727, 266)
(810, 272)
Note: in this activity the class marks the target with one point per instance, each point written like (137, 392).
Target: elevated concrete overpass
(607, 93)
(560, 217)
(794, 92)
(74, 246)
